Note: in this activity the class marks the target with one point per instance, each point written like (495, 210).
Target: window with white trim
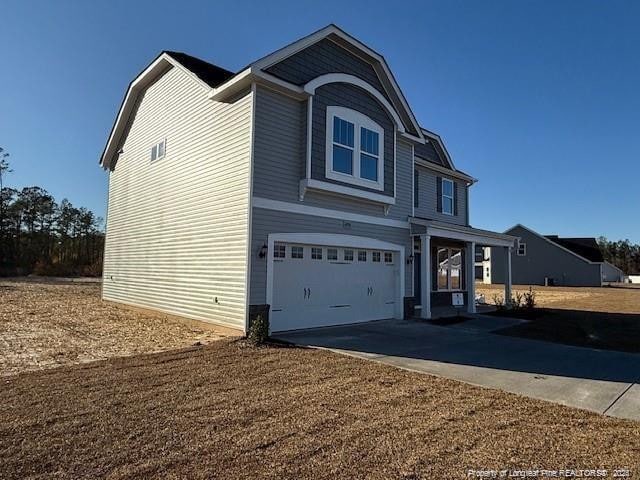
(362, 255)
(375, 257)
(316, 253)
(332, 254)
(522, 249)
(158, 150)
(355, 146)
(388, 257)
(348, 255)
(279, 251)
(297, 252)
(447, 196)
(449, 269)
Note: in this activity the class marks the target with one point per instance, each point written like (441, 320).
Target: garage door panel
(311, 292)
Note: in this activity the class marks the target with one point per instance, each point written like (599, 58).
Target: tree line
(623, 254)
(40, 236)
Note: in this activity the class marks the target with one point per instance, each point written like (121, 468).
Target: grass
(227, 410)
(620, 299)
(230, 411)
(603, 318)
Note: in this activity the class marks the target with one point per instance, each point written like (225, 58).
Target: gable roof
(439, 148)
(221, 83)
(343, 39)
(579, 246)
(206, 74)
(209, 73)
(585, 247)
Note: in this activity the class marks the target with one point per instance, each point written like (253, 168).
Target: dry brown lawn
(45, 324)
(226, 410)
(235, 412)
(603, 318)
(619, 299)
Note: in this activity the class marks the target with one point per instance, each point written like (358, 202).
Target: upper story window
(158, 150)
(447, 196)
(522, 249)
(355, 146)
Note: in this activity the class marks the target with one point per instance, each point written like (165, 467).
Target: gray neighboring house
(540, 259)
(301, 187)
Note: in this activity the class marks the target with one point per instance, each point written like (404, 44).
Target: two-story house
(301, 187)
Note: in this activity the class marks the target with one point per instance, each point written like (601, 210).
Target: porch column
(425, 276)
(507, 276)
(470, 277)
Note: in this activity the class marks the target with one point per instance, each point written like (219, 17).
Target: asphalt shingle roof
(585, 247)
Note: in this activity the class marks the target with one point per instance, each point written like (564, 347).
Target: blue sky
(538, 100)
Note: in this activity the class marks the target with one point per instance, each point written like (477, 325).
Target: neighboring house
(611, 273)
(549, 259)
(633, 278)
(301, 187)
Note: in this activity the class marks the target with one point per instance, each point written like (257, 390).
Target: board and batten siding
(428, 198)
(177, 227)
(280, 161)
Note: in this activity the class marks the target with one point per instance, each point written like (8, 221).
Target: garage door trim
(337, 240)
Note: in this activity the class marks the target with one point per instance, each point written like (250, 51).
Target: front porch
(444, 263)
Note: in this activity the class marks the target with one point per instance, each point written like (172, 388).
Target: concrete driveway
(597, 380)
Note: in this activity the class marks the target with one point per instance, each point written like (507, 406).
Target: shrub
(530, 299)
(516, 301)
(498, 301)
(259, 330)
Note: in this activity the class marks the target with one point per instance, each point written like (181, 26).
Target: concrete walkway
(597, 380)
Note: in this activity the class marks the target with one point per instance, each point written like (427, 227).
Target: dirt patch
(226, 411)
(49, 324)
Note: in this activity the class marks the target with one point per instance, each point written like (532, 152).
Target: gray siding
(177, 227)
(280, 161)
(543, 259)
(271, 221)
(428, 152)
(611, 273)
(279, 145)
(321, 58)
(355, 98)
(428, 197)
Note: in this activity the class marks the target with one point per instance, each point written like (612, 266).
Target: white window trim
(162, 142)
(449, 268)
(518, 246)
(452, 197)
(359, 120)
(344, 254)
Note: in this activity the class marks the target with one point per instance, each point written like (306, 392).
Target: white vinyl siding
(177, 229)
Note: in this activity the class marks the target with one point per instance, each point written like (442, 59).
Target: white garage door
(316, 286)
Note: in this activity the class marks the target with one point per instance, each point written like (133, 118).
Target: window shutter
(416, 201)
(439, 189)
(455, 199)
